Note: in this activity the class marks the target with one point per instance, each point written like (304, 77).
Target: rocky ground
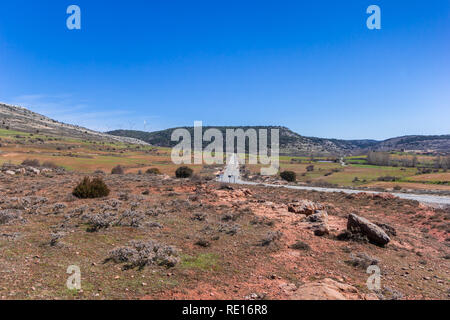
(156, 237)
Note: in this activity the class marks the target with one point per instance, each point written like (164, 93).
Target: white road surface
(232, 174)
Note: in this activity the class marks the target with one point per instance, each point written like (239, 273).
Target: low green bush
(117, 170)
(184, 172)
(289, 176)
(153, 171)
(89, 189)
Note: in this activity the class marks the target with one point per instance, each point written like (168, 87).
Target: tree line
(385, 159)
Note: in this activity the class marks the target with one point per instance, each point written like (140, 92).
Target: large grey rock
(372, 231)
(305, 207)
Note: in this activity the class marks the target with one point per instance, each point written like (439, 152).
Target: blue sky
(312, 66)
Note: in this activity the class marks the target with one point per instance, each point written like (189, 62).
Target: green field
(89, 156)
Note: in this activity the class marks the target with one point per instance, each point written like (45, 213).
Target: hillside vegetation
(292, 143)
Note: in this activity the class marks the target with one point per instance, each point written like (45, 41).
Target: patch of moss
(203, 261)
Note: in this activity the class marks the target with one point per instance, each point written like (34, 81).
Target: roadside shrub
(387, 178)
(89, 189)
(31, 162)
(50, 165)
(184, 172)
(117, 170)
(424, 171)
(310, 168)
(322, 184)
(289, 176)
(154, 171)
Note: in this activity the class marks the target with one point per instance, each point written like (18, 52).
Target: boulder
(328, 289)
(11, 173)
(384, 196)
(374, 233)
(305, 207)
(35, 171)
(320, 221)
(321, 216)
(321, 230)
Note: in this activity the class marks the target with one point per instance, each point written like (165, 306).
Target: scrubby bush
(154, 171)
(300, 245)
(322, 184)
(271, 236)
(310, 168)
(289, 176)
(88, 189)
(184, 172)
(8, 215)
(424, 171)
(31, 162)
(131, 218)
(362, 260)
(142, 253)
(117, 170)
(387, 178)
(50, 165)
(100, 221)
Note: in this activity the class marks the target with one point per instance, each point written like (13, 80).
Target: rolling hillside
(23, 120)
(422, 143)
(290, 142)
(294, 144)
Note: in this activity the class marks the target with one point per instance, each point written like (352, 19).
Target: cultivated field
(87, 156)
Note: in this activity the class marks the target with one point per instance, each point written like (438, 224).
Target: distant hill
(294, 144)
(290, 142)
(21, 119)
(420, 143)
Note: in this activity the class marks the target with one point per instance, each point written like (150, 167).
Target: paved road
(232, 175)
